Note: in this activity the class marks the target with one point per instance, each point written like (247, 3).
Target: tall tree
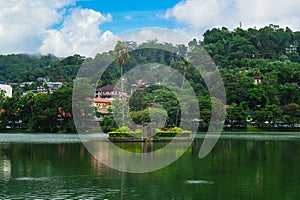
(122, 55)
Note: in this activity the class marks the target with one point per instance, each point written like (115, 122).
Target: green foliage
(23, 68)
(138, 131)
(156, 115)
(122, 134)
(108, 124)
(2, 98)
(241, 55)
(161, 134)
(125, 132)
(123, 129)
(42, 112)
(236, 117)
(291, 114)
(173, 132)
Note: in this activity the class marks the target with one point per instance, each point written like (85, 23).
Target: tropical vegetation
(260, 70)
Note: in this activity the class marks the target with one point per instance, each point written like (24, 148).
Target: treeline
(18, 68)
(41, 112)
(268, 56)
(234, 49)
(271, 55)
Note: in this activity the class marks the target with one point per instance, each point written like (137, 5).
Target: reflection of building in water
(99, 157)
(259, 179)
(5, 169)
(61, 150)
(148, 147)
(97, 166)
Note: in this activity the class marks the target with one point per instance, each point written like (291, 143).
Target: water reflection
(5, 168)
(235, 169)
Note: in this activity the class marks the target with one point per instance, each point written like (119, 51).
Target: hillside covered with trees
(260, 69)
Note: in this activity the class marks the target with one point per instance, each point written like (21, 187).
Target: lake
(241, 166)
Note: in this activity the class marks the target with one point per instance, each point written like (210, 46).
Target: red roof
(102, 100)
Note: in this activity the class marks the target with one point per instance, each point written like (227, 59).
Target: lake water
(241, 166)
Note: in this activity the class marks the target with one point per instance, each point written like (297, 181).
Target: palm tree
(122, 55)
(185, 65)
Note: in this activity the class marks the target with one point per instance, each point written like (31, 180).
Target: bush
(173, 134)
(123, 134)
(123, 129)
(139, 131)
(176, 129)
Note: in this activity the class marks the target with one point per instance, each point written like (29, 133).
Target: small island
(148, 133)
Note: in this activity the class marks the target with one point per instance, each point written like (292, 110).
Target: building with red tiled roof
(102, 105)
(108, 92)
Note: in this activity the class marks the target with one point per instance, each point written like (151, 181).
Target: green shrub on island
(173, 132)
(123, 129)
(123, 135)
(126, 132)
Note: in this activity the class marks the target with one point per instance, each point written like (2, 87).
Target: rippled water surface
(241, 166)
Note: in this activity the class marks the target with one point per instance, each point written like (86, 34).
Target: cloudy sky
(66, 27)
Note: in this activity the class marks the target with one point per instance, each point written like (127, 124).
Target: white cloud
(128, 17)
(23, 22)
(27, 26)
(79, 33)
(140, 36)
(203, 14)
(160, 34)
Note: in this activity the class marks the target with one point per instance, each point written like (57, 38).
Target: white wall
(7, 89)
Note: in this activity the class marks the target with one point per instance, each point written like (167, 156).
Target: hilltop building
(110, 92)
(52, 86)
(257, 80)
(291, 49)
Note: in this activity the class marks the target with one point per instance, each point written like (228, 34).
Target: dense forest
(260, 70)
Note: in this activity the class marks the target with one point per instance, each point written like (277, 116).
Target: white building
(291, 49)
(7, 89)
(54, 86)
(109, 92)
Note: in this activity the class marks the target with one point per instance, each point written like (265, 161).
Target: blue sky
(66, 27)
(132, 14)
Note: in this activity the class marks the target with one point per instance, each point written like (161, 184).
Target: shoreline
(226, 130)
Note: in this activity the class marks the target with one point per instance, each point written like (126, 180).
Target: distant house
(7, 89)
(295, 84)
(41, 89)
(102, 105)
(291, 49)
(257, 80)
(52, 86)
(26, 83)
(109, 92)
